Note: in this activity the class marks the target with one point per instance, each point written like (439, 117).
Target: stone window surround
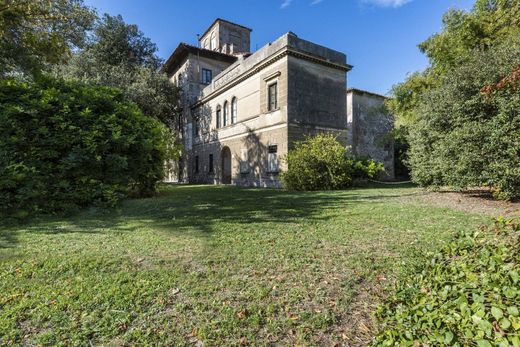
(269, 80)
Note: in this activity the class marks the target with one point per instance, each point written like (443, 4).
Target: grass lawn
(217, 266)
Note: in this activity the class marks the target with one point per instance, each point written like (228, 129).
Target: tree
(467, 131)
(37, 34)
(489, 23)
(67, 145)
(119, 55)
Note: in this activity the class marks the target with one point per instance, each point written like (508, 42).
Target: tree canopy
(460, 116)
(119, 55)
(36, 34)
(490, 22)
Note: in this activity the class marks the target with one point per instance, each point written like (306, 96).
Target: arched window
(226, 113)
(213, 42)
(218, 116)
(233, 110)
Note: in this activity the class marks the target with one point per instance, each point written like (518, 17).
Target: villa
(242, 111)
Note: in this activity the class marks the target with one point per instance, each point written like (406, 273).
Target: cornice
(287, 51)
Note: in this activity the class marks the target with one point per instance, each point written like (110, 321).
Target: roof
(225, 21)
(360, 91)
(183, 50)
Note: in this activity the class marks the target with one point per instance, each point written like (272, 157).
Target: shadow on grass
(8, 239)
(202, 210)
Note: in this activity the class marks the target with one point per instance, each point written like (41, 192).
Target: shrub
(65, 145)
(467, 295)
(468, 129)
(322, 163)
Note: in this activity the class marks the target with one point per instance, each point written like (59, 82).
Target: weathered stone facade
(238, 124)
(369, 128)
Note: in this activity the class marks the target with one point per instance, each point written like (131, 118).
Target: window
(272, 158)
(226, 113)
(205, 45)
(272, 97)
(207, 76)
(210, 163)
(196, 164)
(233, 110)
(180, 123)
(219, 111)
(244, 161)
(213, 43)
(197, 126)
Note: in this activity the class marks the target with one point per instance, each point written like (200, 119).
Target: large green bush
(64, 145)
(322, 163)
(467, 295)
(468, 129)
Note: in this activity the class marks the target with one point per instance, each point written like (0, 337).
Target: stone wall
(316, 100)
(255, 130)
(369, 128)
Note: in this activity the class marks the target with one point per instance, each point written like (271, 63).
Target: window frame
(272, 152)
(225, 113)
(234, 110)
(196, 127)
(269, 101)
(204, 74)
(213, 41)
(218, 116)
(245, 167)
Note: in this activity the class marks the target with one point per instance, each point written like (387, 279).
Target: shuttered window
(272, 97)
(272, 158)
(244, 161)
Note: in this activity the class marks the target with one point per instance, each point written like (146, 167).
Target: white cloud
(285, 4)
(315, 2)
(387, 3)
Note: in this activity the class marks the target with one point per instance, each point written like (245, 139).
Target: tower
(226, 37)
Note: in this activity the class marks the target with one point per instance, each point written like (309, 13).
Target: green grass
(214, 264)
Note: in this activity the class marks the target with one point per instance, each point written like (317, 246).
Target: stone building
(242, 111)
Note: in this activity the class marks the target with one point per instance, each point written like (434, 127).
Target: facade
(242, 111)
(369, 129)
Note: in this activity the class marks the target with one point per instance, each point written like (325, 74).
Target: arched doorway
(225, 156)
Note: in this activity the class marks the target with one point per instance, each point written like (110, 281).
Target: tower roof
(224, 21)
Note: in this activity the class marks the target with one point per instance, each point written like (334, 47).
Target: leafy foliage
(119, 55)
(468, 294)
(460, 130)
(35, 34)
(468, 129)
(489, 23)
(65, 145)
(322, 163)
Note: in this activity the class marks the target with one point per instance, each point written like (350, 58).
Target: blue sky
(380, 37)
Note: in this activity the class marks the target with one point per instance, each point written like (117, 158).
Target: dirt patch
(357, 327)
(472, 201)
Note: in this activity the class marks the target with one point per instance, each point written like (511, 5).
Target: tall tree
(37, 34)
(119, 55)
(489, 23)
